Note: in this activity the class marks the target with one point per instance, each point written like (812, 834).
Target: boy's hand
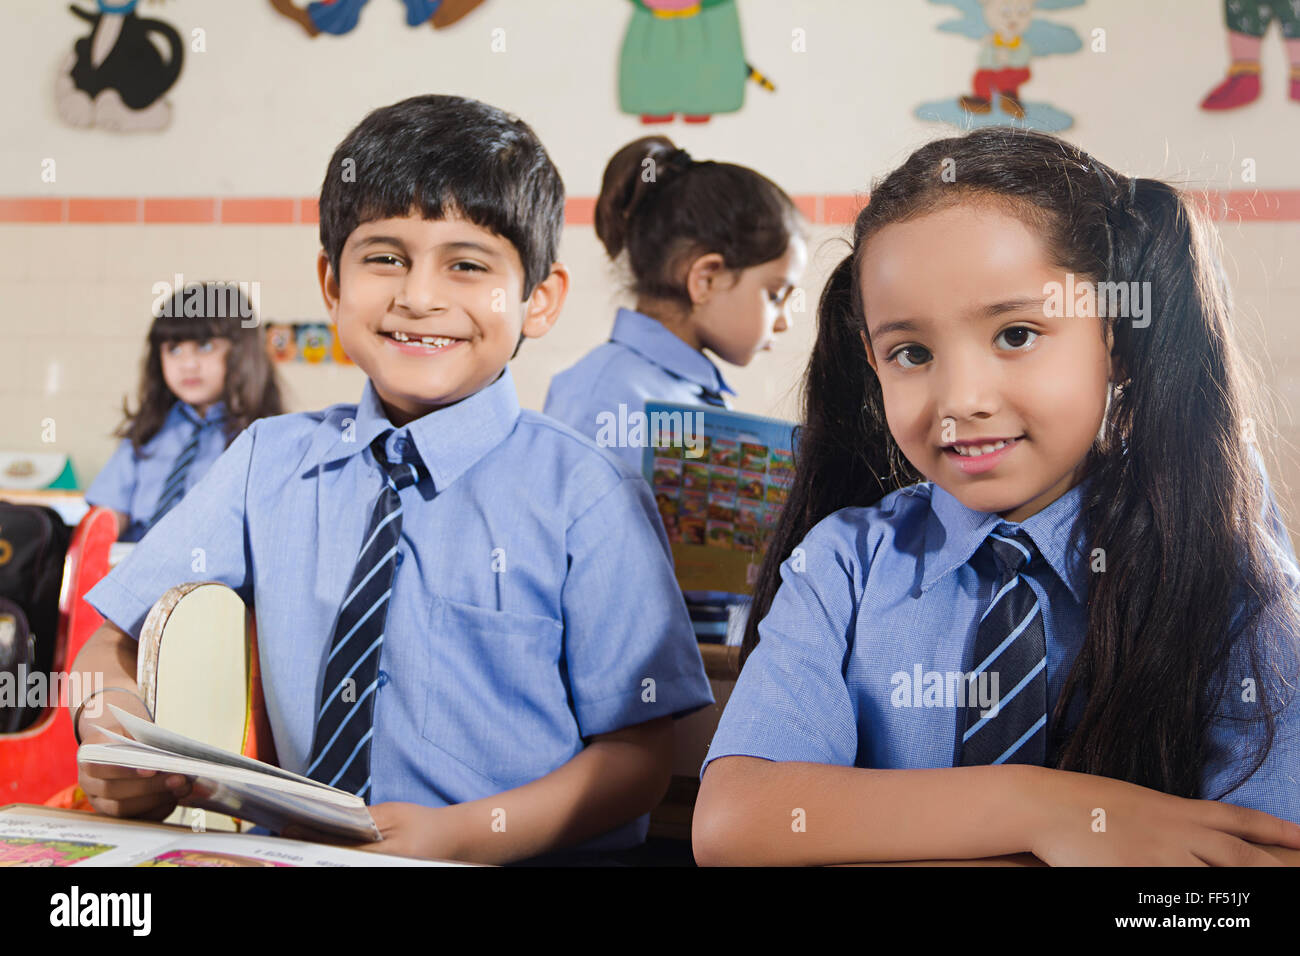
(1144, 827)
(127, 792)
(407, 829)
(412, 830)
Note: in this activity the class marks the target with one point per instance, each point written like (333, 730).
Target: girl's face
(740, 319)
(195, 371)
(965, 351)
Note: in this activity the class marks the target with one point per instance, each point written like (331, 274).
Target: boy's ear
(329, 285)
(543, 307)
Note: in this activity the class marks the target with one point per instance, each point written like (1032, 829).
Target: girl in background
(714, 251)
(1077, 636)
(205, 378)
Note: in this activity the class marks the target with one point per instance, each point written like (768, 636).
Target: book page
(35, 837)
(147, 732)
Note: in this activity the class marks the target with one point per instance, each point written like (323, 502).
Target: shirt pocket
(496, 701)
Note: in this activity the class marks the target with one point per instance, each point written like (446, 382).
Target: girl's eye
(1018, 331)
(385, 260)
(468, 267)
(904, 350)
(206, 345)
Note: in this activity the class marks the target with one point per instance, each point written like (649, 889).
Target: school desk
(268, 846)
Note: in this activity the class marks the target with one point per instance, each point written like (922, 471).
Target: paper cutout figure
(1247, 21)
(314, 343)
(1009, 39)
(281, 342)
(684, 56)
(338, 17)
(115, 77)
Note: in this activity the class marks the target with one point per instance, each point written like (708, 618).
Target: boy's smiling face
(432, 309)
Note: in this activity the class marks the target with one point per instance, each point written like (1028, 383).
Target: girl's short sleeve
(114, 486)
(791, 702)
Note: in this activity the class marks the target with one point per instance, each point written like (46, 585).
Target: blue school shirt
(642, 361)
(875, 598)
(533, 603)
(131, 481)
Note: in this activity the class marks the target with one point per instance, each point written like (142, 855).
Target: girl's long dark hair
(252, 388)
(1174, 498)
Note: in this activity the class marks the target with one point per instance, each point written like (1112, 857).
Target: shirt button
(383, 678)
(401, 446)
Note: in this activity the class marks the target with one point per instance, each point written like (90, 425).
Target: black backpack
(33, 547)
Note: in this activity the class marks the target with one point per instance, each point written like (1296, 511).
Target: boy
(466, 612)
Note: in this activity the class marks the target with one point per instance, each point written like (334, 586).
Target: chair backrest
(40, 762)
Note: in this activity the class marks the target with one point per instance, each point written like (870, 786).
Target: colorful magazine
(720, 479)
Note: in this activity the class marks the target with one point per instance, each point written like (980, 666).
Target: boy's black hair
(446, 155)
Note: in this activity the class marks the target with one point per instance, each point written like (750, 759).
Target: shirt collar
(448, 441)
(652, 341)
(954, 533)
(216, 413)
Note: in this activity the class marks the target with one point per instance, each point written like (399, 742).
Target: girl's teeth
(969, 451)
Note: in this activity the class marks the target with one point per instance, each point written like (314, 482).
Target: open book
(226, 782)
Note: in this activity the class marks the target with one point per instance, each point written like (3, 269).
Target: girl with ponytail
(1030, 567)
(714, 251)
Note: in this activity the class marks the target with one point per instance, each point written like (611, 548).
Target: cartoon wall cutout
(684, 56)
(1010, 37)
(1247, 21)
(115, 76)
(338, 17)
(311, 342)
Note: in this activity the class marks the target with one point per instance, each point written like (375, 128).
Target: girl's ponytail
(629, 176)
(1172, 515)
(844, 454)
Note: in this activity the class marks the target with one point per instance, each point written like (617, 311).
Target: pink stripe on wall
(1237, 205)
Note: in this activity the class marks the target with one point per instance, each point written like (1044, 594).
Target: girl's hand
(1080, 819)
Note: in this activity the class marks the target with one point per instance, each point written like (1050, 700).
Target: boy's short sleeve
(114, 486)
(629, 648)
(791, 702)
(201, 539)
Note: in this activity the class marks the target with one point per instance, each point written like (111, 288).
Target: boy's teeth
(436, 341)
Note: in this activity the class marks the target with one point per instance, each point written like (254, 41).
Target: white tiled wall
(75, 306)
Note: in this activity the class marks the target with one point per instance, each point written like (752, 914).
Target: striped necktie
(710, 396)
(345, 720)
(173, 489)
(1011, 645)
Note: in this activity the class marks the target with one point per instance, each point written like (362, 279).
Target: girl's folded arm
(755, 811)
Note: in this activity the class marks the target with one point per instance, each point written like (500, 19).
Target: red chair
(39, 762)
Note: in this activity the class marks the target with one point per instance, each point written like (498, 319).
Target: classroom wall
(259, 111)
